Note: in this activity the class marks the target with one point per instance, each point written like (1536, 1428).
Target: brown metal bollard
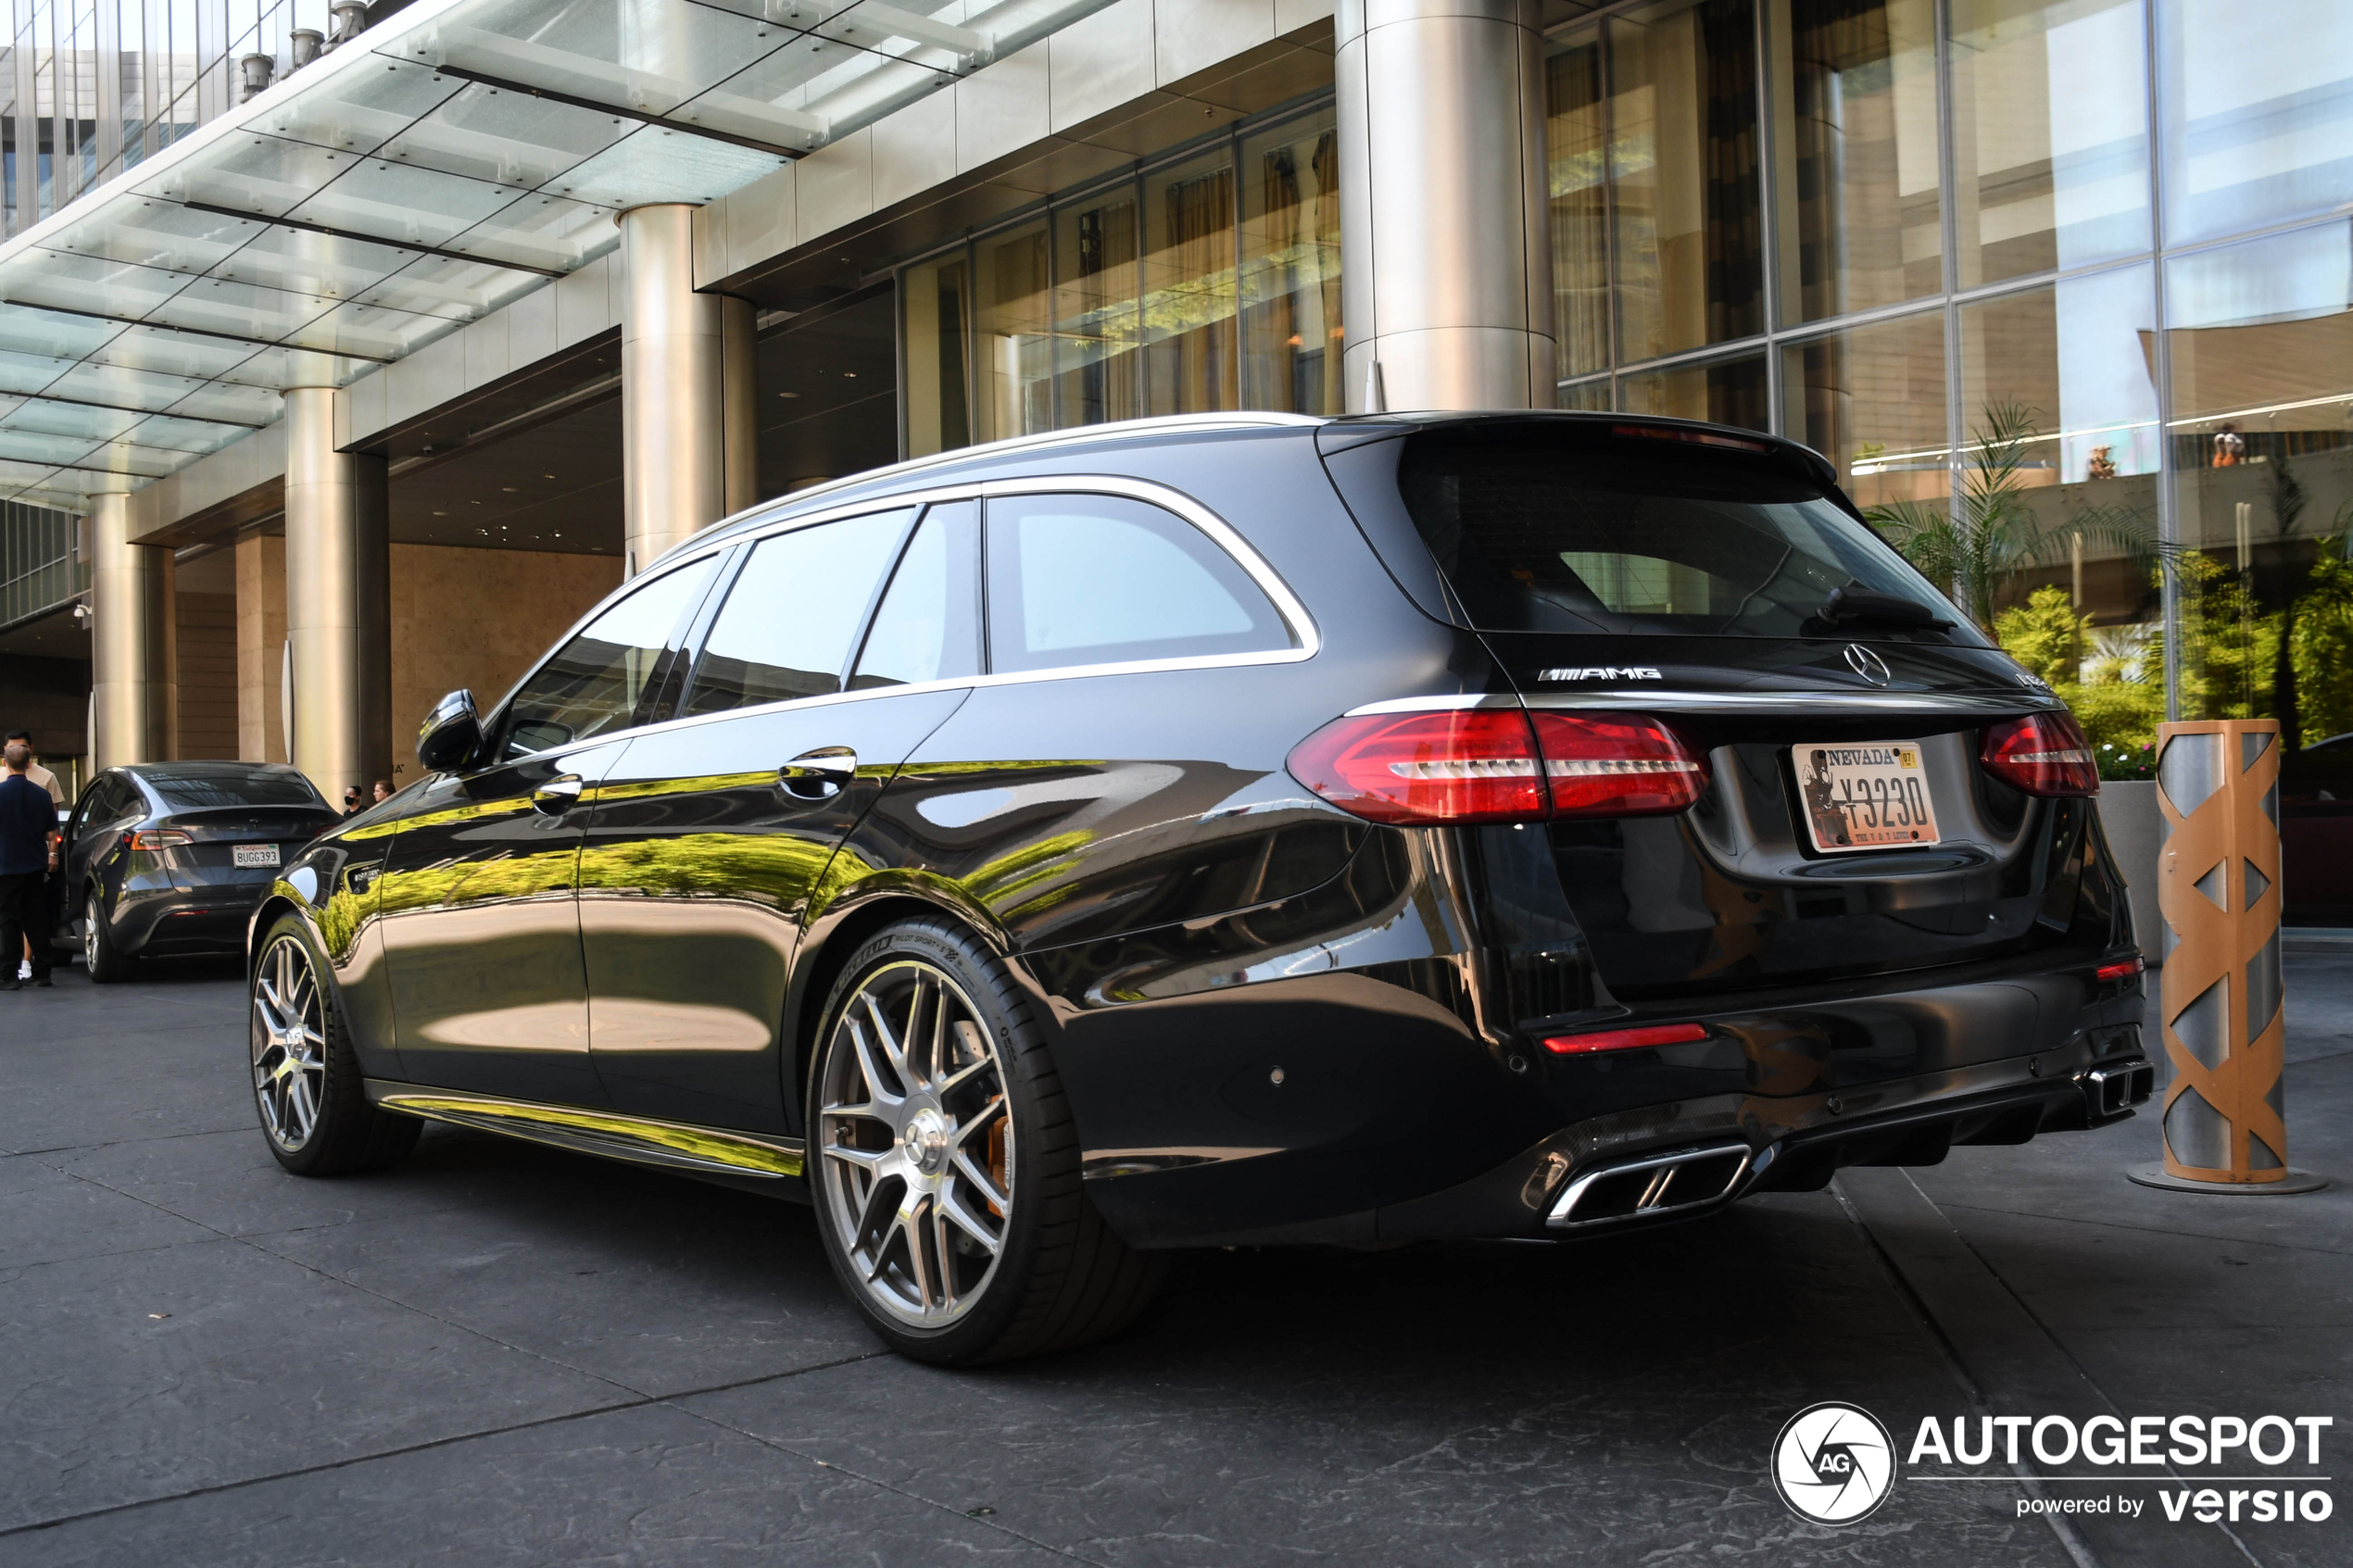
(2225, 1125)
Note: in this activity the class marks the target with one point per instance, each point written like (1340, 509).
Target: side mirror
(450, 734)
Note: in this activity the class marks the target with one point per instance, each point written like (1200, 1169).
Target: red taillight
(1615, 767)
(1477, 765)
(157, 838)
(1626, 1039)
(2042, 754)
(2122, 969)
(1496, 765)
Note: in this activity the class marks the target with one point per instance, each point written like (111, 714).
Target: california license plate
(255, 855)
(1869, 796)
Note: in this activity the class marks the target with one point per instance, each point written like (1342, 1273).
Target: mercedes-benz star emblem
(1833, 1464)
(1868, 665)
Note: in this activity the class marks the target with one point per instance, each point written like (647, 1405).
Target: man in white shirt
(48, 780)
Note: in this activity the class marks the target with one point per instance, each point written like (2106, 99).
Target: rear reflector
(1496, 765)
(1626, 1039)
(2123, 969)
(2042, 754)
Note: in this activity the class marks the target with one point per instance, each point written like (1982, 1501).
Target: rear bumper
(202, 918)
(1604, 1175)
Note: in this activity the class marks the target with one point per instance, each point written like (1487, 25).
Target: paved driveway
(503, 1354)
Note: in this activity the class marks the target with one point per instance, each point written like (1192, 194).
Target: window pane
(2050, 134)
(1683, 162)
(1579, 529)
(1731, 392)
(1861, 225)
(1015, 354)
(593, 682)
(2062, 374)
(938, 296)
(1291, 269)
(1189, 363)
(2259, 121)
(2261, 347)
(1101, 580)
(1095, 310)
(793, 615)
(1576, 154)
(928, 626)
(1872, 401)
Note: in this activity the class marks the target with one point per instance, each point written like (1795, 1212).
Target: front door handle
(819, 774)
(557, 796)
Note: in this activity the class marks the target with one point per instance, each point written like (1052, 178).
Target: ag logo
(1833, 1464)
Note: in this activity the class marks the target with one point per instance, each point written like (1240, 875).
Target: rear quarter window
(1084, 578)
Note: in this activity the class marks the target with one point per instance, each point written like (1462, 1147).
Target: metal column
(338, 602)
(687, 390)
(1447, 289)
(134, 695)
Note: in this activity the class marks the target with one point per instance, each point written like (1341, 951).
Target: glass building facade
(96, 86)
(2075, 274)
(1206, 281)
(1937, 241)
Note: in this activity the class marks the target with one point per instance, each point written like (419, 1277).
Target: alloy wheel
(90, 937)
(917, 1162)
(289, 1044)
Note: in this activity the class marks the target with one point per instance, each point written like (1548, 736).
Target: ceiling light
(788, 394)
(507, 488)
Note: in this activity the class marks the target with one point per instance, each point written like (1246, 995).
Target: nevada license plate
(262, 855)
(1869, 796)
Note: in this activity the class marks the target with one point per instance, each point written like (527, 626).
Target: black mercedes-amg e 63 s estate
(1242, 829)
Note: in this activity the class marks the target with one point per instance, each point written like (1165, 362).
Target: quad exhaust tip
(1658, 1184)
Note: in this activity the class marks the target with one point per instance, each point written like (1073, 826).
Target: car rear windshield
(193, 790)
(1562, 526)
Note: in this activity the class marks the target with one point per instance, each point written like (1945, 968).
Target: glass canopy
(455, 156)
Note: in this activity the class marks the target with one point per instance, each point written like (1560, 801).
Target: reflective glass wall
(1204, 283)
(2064, 288)
(94, 87)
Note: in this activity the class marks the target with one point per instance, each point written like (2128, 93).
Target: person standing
(28, 854)
(351, 806)
(48, 780)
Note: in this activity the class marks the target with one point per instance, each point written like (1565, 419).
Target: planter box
(2135, 829)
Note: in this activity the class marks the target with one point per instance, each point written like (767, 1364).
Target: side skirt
(675, 1145)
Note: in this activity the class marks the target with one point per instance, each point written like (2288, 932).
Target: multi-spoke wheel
(306, 1083)
(917, 1151)
(289, 1044)
(944, 1161)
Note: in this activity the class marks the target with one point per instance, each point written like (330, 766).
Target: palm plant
(2121, 653)
(1992, 528)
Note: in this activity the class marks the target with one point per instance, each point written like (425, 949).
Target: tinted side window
(1103, 580)
(791, 621)
(929, 627)
(594, 682)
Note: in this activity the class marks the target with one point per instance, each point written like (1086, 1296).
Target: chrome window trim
(1163, 424)
(1294, 613)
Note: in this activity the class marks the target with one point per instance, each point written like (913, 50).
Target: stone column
(135, 697)
(1446, 282)
(338, 602)
(688, 393)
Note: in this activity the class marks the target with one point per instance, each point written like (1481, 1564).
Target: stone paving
(501, 1354)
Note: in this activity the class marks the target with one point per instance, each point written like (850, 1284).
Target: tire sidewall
(1019, 1049)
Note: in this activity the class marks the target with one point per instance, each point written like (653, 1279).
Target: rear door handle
(819, 774)
(557, 796)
